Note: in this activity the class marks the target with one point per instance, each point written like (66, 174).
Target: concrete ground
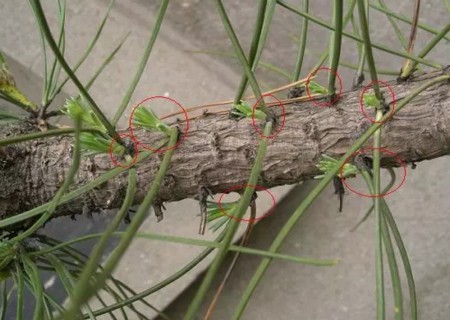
(288, 291)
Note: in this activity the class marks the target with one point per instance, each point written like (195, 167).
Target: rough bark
(219, 152)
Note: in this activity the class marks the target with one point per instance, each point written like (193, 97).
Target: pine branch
(219, 152)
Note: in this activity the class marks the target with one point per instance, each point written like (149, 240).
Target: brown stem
(218, 152)
(413, 33)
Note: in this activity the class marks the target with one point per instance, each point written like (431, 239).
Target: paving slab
(288, 291)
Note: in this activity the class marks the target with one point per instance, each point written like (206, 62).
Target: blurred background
(193, 62)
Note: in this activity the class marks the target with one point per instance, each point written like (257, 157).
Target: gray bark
(219, 152)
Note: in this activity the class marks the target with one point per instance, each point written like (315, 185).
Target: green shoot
(147, 119)
(327, 164)
(95, 142)
(371, 101)
(77, 106)
(243, 110)
(216, 216)
(316, 88)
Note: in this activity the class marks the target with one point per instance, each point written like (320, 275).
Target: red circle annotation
(136, 151)
(161, 150)
(361, 101)
(324, 103)
(283, 116)
(257, 188)
(383, 150)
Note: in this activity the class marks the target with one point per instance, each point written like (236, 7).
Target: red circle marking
(325, 103)
(283, 116)
(383, 150)
(185, 131)
(257, 187)
(361, 101)
(136, 151)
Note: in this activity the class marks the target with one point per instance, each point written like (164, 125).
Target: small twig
(243, 243)
(157, 207)
(53, 113)
(41, 122)
(412, 35)
(339, 190)
(358, 80)
(228, 102)
(363, 162)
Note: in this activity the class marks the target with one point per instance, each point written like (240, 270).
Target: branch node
(363, 162)
(446, 70)
(358, 80)
(295, 92)
(339, 190)
(157, 207)
(203, 193)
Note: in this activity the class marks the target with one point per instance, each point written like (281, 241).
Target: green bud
(371, 101)
(317, 88)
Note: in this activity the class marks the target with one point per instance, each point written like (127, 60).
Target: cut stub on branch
(219, 152)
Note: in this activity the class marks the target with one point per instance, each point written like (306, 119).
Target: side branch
(219, 152)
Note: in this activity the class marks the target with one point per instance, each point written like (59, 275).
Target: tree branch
(219, 152)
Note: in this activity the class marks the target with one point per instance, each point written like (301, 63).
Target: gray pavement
(288, 291)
